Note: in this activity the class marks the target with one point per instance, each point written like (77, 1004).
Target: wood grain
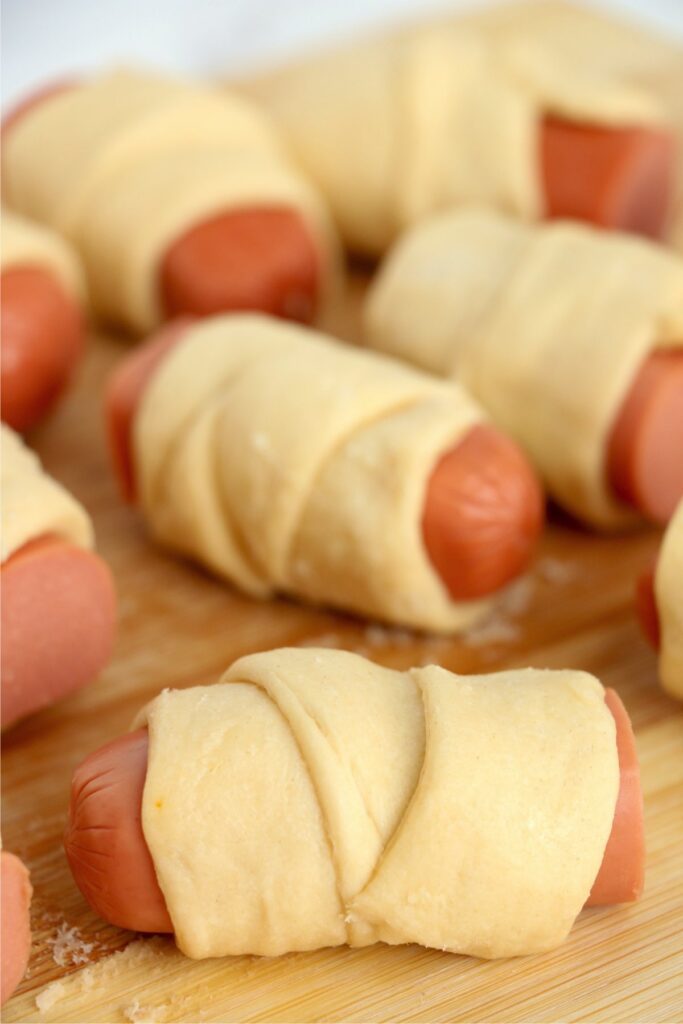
(179, 627)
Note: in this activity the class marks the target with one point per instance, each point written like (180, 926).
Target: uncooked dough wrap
(286, 462)
(25, 244)
(313, 798)
(397, 128)
(546, 325)
(605, 45)
(33, 504)
(124, 165)
(669, 595)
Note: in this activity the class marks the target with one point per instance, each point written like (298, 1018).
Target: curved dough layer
(125, 164)
(394, 129)
(607, 46)
(313, 798)
(33, 504)
(669, 594)
(27, 244)
(286, 462)
(545, 325)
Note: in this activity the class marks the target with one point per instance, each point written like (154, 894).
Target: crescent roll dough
(125, 164)
(33, 504)
(27, 244)
(573, 35)
(669, 594)
(286, 462)
(313, 798)
(394, 129)
(547, 327)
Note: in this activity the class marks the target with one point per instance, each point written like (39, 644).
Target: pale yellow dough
(25, 244)
(572, 34)
(313, 798)
(669, 595)
(546, 325)
(397, 128)
(286, 462)
(124, 165)
(33, 504)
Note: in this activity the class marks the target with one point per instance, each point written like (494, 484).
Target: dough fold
(33, 504)
(25, 244)
(669, 595)
(547, 326)
(607, 47)
(286, 462)
(125, 164)
(397, 128)
(313, 798)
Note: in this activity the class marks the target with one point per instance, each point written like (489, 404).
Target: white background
(43, 39)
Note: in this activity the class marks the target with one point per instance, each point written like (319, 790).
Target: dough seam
(355, 429)
(388, 845)
(334, 859)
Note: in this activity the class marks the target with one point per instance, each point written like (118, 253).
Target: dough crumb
(324, 640)
(137, 1014)
(69, 948)
(553, 570)
(377, 635)
(518, 596)
(498, 628)
(50, 996)
(132, 964)
(493, 631)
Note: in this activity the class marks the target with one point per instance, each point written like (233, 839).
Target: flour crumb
(493, 631)
(50, 996)
(68, 948)
(137, 1014)
(517, 598)
(261, 442)
(553, 570)
(324, 640)
(377, 635)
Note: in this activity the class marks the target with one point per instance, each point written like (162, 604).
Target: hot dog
(483, 509)
(263, 258)
(42, 341)
(622, 873)
(644, 450)
(659, 605)
(58, 624)
(113, 868)
(497, 304)
(473, 544)
(256, 257)
(16, 925)
(620, 178)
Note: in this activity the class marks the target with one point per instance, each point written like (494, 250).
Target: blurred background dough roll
(547, 326)
(125, 164)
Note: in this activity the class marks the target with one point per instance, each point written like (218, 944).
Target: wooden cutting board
(178, 627)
